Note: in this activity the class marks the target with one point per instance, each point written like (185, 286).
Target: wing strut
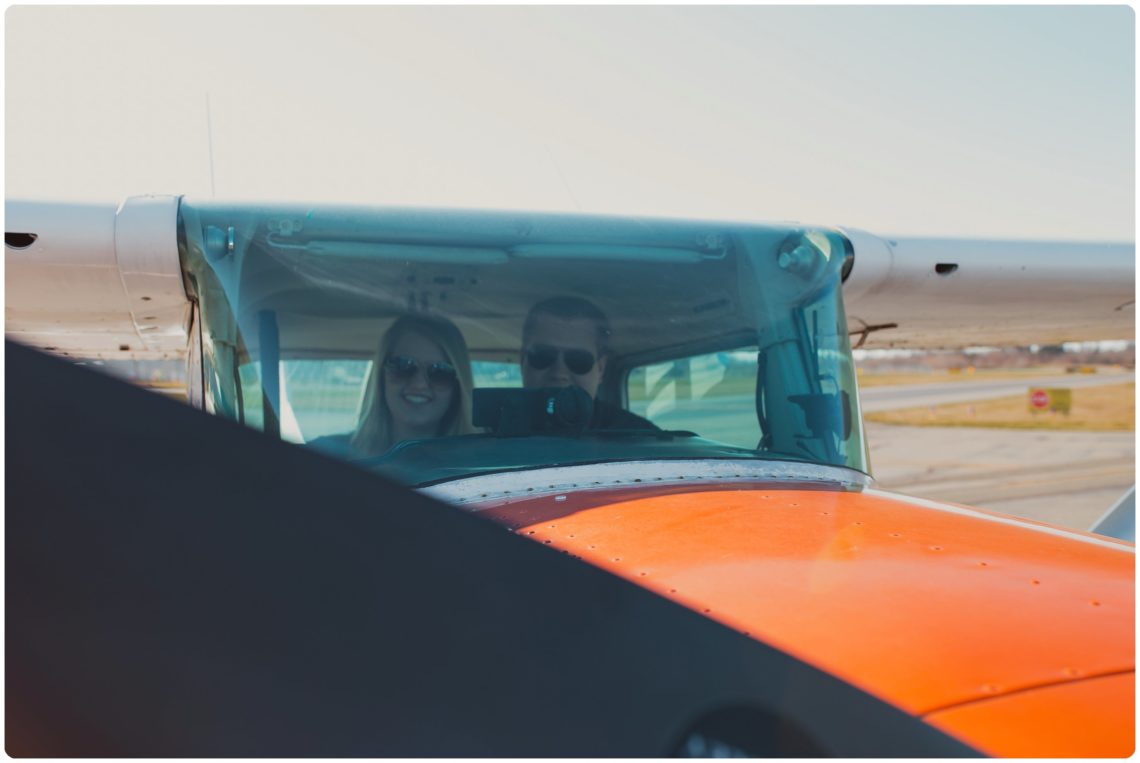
(867, 330)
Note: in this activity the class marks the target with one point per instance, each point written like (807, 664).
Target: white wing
(963, 292)
(100, 281)
(96, 280)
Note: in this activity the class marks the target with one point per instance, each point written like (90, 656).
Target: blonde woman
(420, 386)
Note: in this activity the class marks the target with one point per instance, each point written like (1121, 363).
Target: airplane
(743, 516)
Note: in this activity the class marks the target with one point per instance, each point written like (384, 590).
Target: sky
(1011, 121)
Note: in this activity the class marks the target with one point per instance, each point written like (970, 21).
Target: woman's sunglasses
(404, 368)
(542, 356)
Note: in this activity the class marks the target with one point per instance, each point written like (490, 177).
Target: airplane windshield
(432, 345)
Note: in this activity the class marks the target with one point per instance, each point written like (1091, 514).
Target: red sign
(1039, 398)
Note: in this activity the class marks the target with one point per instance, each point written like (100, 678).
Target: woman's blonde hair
(374, 431)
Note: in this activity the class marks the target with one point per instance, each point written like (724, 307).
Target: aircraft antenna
(210, 142)
(562, 177)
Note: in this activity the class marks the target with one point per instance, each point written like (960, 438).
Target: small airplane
(790, 606)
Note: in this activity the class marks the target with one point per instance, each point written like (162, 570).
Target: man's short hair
(570, 309)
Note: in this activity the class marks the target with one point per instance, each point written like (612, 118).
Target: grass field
(1108, 408)
(965, 375)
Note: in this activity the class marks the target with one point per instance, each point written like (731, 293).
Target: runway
(1065, 478)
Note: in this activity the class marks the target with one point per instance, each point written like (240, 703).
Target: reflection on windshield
(441, 344)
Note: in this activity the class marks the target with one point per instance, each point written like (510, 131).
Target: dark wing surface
(179, 585)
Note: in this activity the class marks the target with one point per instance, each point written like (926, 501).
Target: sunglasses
(542, 356)
(404, 368)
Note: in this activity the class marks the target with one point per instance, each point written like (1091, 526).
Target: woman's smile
(417, 404)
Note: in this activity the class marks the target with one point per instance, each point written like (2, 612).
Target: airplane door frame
(195, 386)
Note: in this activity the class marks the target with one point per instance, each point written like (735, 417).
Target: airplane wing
(104, 281)
(952, 293)
(318, 609)
(96, 280)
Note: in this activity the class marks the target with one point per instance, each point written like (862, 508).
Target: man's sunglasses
(404, 368)
(542, 356)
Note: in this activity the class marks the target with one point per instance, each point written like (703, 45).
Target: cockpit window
(433, 345)
(713, 393)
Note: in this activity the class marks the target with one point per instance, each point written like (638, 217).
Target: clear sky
(972, 121)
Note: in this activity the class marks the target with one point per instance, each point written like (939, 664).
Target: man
(565, 341)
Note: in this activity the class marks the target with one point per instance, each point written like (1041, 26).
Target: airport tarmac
(1065, 478)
